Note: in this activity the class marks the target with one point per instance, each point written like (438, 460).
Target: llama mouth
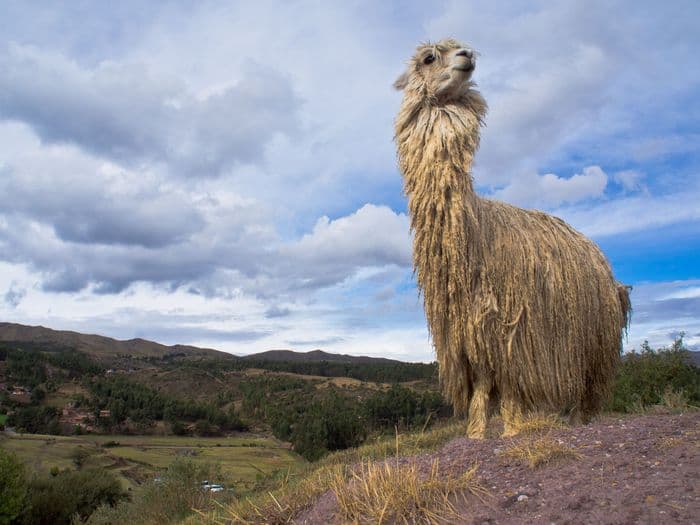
(467, 68)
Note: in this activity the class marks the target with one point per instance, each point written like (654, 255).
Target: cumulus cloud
(92, 202)
(335, 249)
(232, 250)
(125, 112)
(550, 190)
(232, 242)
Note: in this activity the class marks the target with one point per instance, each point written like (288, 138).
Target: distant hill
(315, 355)
(106, 348)
(99, 346)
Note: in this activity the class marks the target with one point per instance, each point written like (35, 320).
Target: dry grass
(669, 442)
(540, 451)
(676, 400)
(536, 424)
(672, 402)
(689, 437)
(391, 493)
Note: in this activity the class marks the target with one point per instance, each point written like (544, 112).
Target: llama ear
(401, 82)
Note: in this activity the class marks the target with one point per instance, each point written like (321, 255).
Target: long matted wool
(523, 310)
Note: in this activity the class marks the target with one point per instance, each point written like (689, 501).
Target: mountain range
(105, 348)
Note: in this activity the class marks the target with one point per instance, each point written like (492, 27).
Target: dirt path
(629, 470)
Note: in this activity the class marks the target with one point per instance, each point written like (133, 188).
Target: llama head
(438, 72)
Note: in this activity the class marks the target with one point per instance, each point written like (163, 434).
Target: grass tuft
(389, 492)
(536, 424)
(669, 442)
(540, 451)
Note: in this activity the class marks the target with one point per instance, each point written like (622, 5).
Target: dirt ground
(630, 470)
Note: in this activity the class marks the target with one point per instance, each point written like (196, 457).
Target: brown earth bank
(620, 470)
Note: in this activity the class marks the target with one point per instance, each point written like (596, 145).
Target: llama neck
(436, 147)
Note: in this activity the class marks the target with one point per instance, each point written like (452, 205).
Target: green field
(3, 418)
(138, 459)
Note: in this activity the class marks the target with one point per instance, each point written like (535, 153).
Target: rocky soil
(629, 470)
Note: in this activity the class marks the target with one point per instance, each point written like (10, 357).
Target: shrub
(644, 378)
(80, 455)
(203, 428)
(56, 500)
(178, 428)
(13, 487)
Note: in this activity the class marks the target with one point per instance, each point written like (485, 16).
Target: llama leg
(477, 420)
(512, 415)
(576, 417)
(589, 407)
(592, 401)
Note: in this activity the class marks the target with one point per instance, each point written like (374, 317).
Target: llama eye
(429, 59)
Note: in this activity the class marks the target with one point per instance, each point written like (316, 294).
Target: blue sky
(223, 174)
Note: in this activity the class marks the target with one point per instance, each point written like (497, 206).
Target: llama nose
(467, 53)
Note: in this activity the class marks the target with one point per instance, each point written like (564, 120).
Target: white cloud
(90, 201)
(662, 310)
(564, 78)
(630, 180)
(371, 236)
(131, 114)
(631, 214)
(683, 291)
(550, 190)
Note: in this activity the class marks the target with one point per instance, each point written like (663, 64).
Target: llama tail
(623, 292)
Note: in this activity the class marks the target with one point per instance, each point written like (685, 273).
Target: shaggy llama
(524, 312)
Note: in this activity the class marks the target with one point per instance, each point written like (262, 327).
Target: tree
(13, 487)
(333, 423)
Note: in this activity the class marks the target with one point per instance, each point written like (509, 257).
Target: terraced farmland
(137, 459)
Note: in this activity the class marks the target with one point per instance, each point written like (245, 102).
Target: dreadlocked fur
(523, 310)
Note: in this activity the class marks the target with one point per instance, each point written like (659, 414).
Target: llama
(524, 312)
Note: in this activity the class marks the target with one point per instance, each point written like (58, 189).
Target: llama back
(552, 330)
